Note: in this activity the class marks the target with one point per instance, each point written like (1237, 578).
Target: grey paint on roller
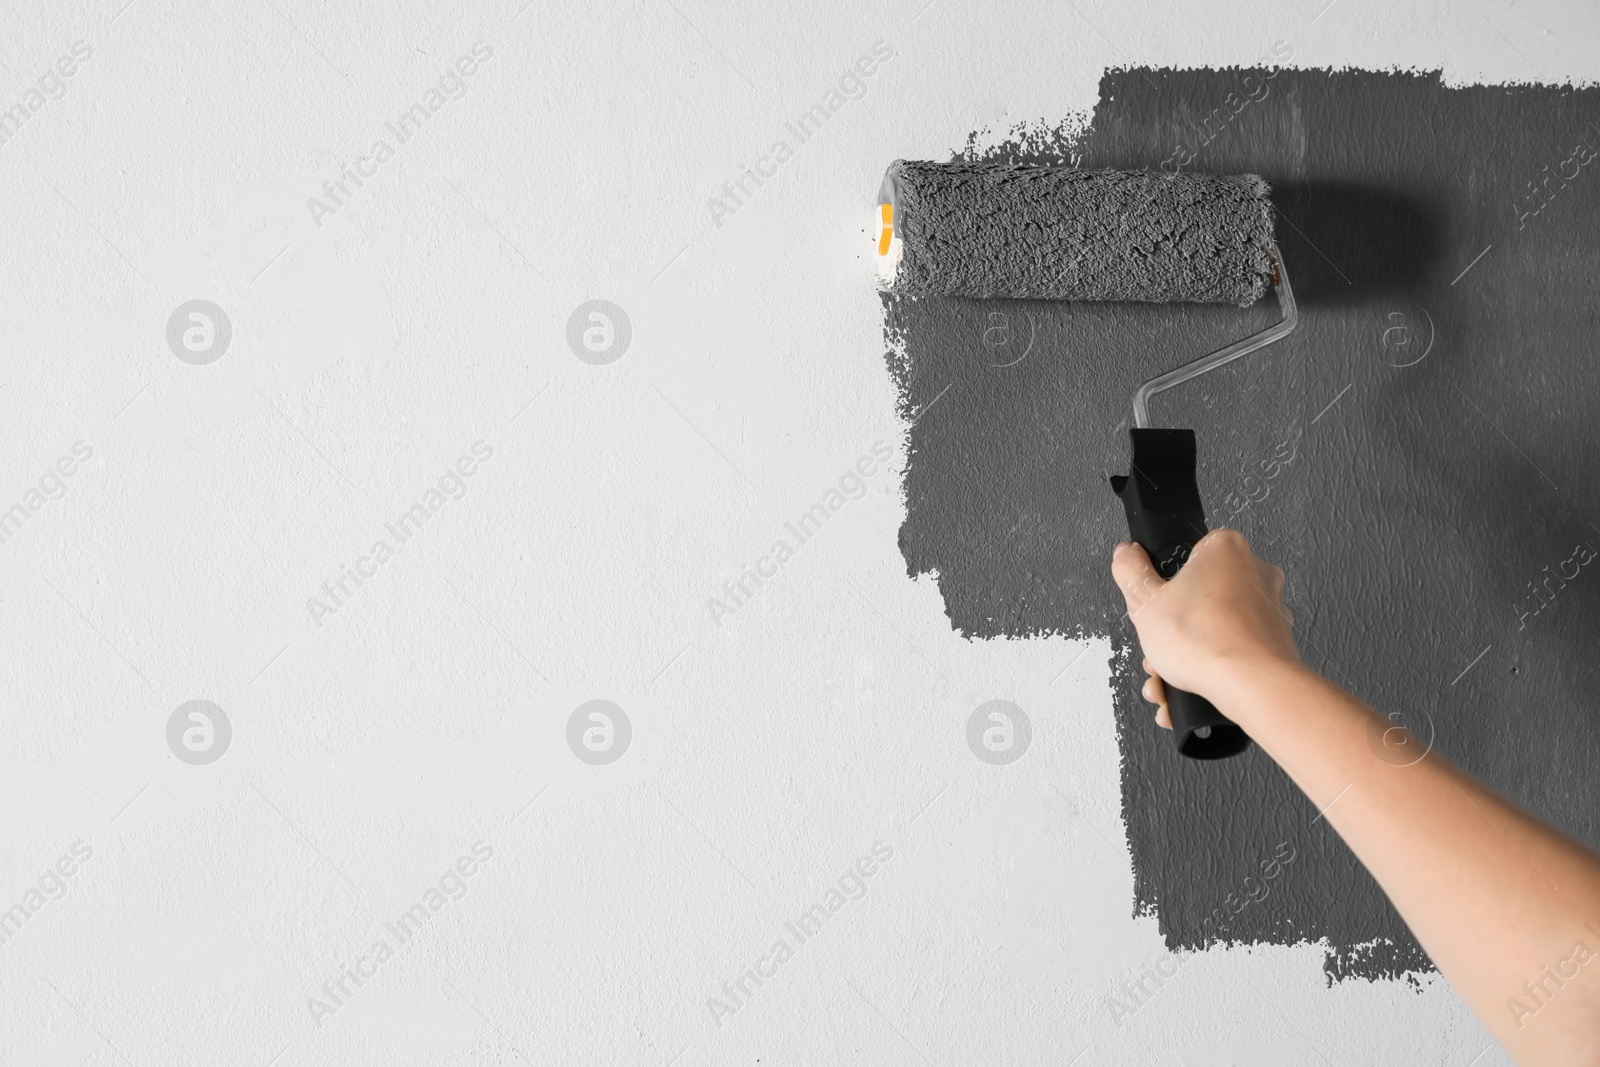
(1055, 233)
(1429, 511)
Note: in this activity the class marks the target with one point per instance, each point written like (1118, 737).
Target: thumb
(1134, 575)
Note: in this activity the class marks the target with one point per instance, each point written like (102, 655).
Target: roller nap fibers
(1056, 233)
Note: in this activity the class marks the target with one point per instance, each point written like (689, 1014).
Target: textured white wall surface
(396, 507)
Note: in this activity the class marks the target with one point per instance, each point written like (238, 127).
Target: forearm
(1496, 897)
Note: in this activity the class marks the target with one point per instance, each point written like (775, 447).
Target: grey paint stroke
(1427, 514)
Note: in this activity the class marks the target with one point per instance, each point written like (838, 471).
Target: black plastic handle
(1162, 499)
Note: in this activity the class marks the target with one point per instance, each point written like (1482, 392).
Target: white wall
(374, 745)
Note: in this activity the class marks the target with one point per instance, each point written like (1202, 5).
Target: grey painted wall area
(1420, 457)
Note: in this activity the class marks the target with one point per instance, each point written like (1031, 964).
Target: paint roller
(992, 230)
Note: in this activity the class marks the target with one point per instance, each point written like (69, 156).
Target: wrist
(1248, 687)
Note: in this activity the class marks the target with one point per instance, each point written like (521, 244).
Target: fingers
(1138, 580)
(1156, 693)
(1134, 575)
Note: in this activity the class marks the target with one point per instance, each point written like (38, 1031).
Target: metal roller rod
(1255, 342)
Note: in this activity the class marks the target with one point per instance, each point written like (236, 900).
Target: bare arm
(1507, 907)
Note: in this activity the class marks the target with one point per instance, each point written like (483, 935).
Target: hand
(1222, 614)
